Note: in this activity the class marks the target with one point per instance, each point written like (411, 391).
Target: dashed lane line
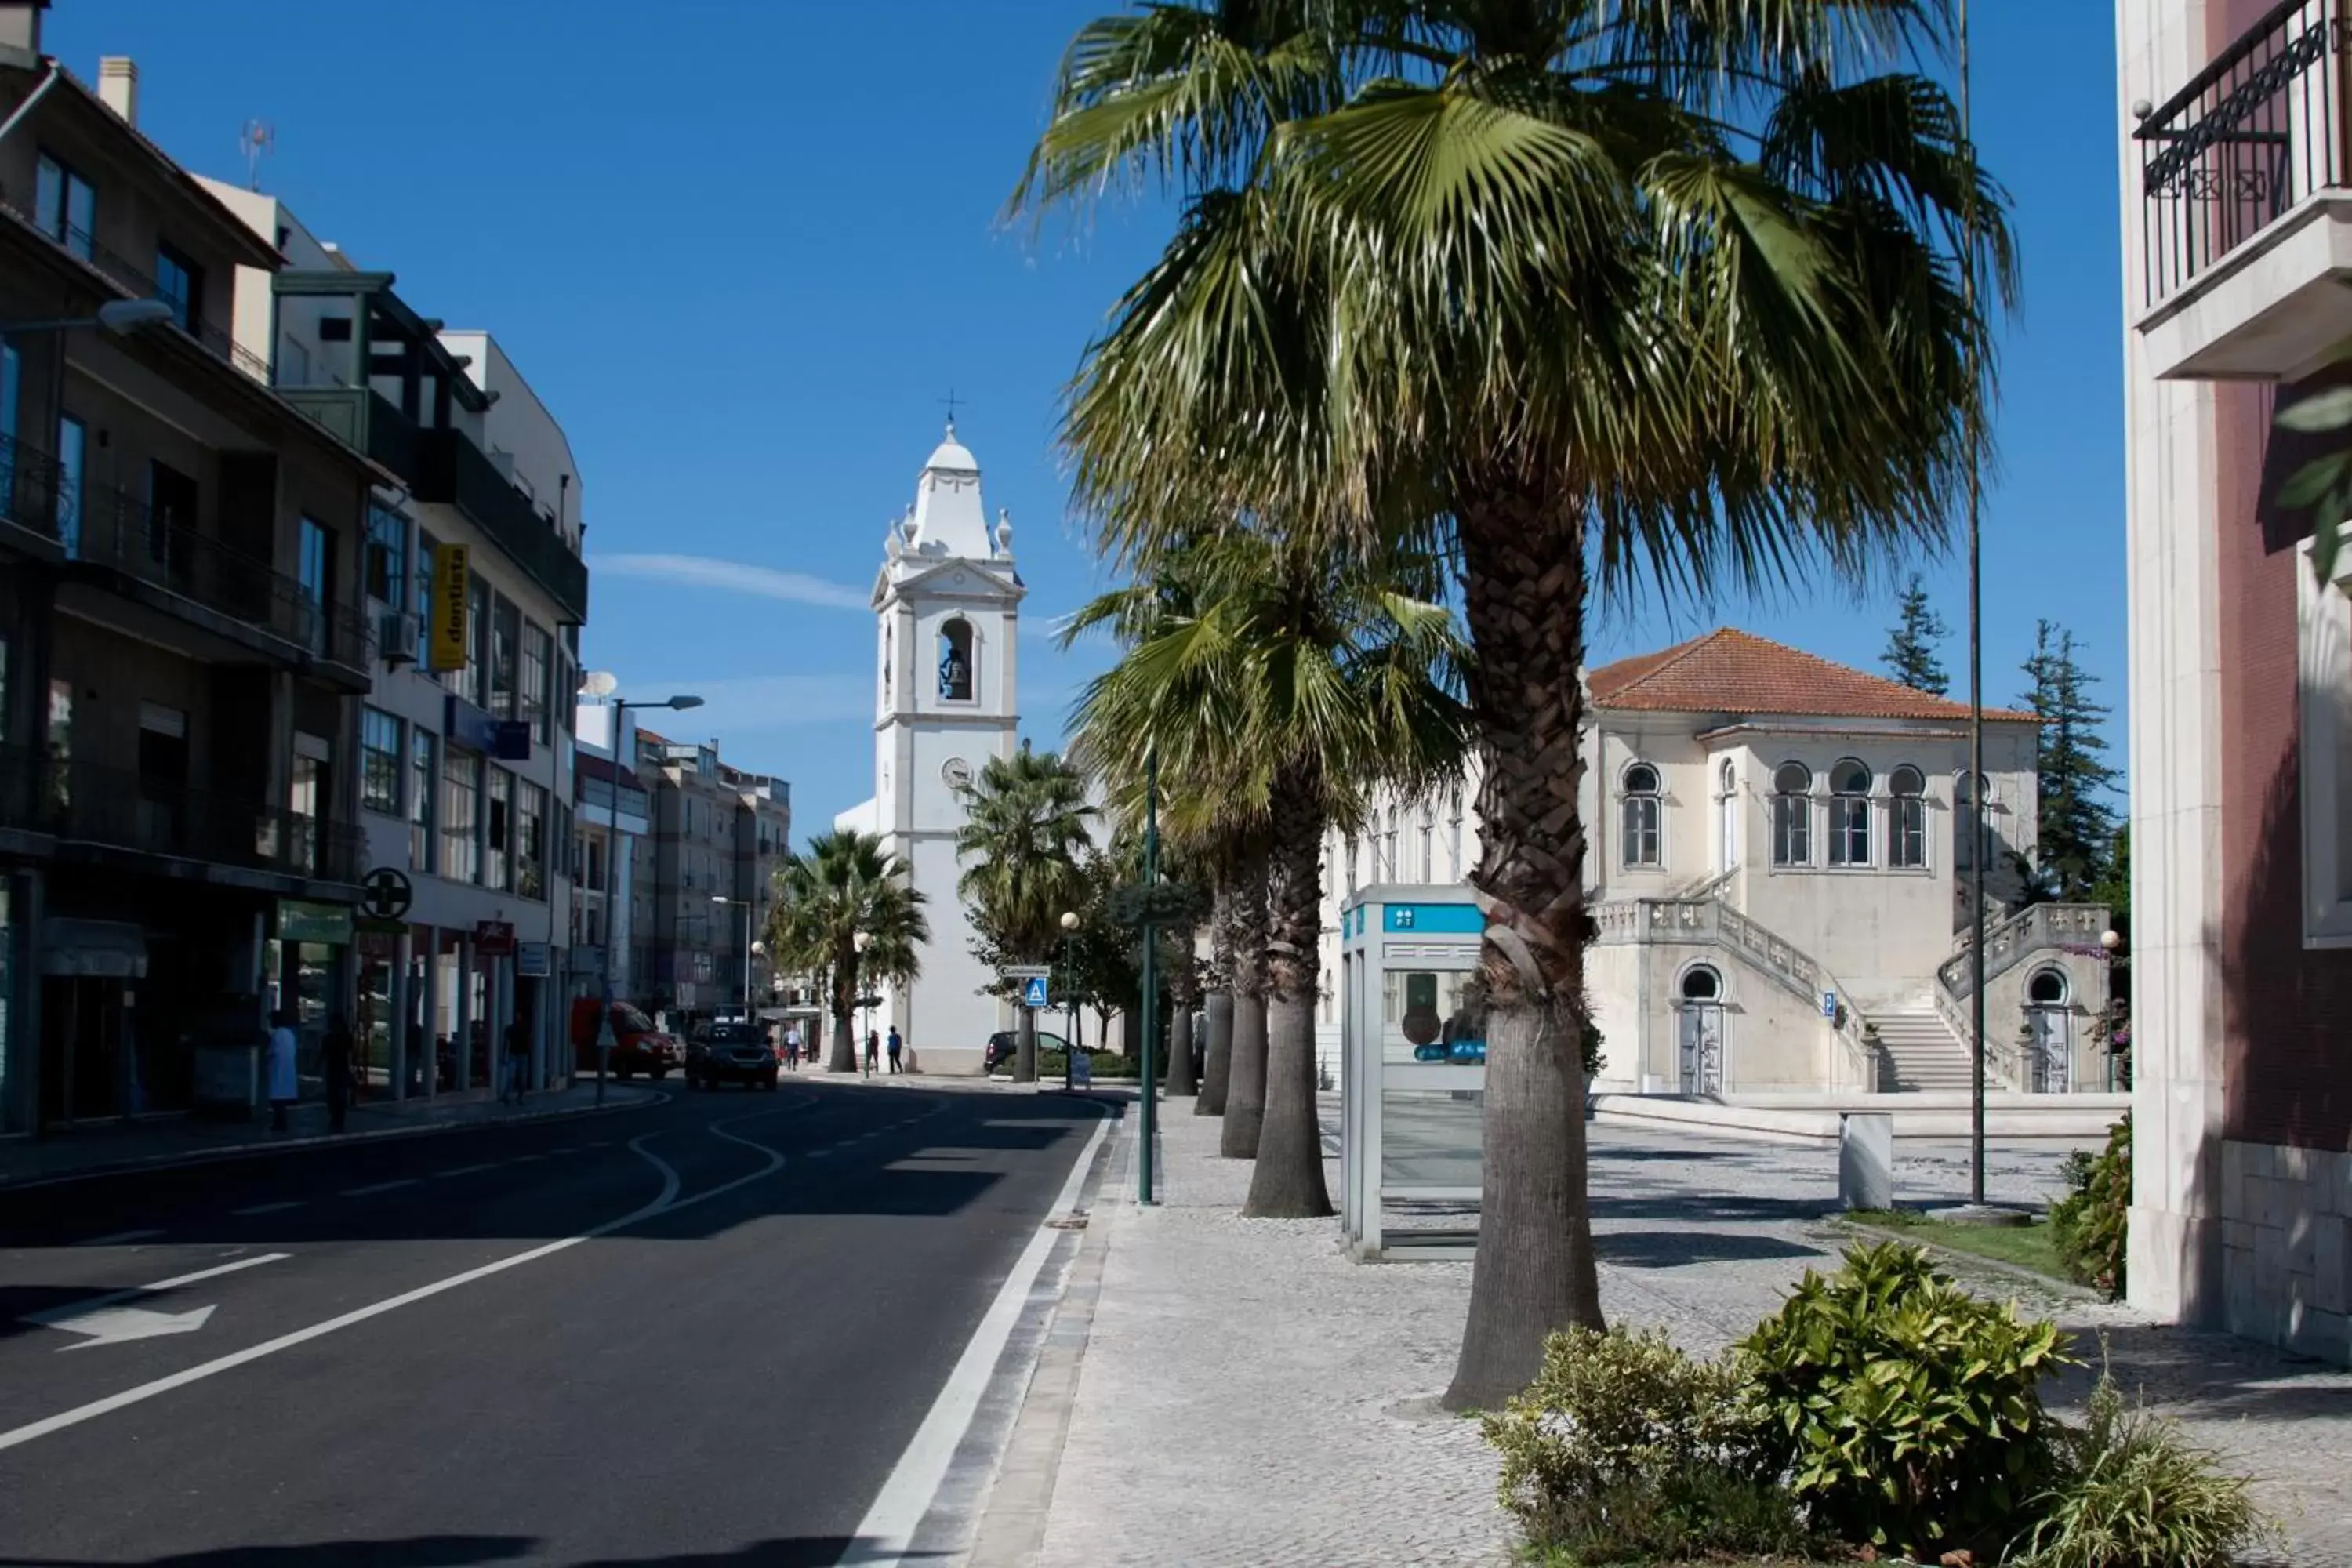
(280, 1206)
(381, 1187)
(469, 1170)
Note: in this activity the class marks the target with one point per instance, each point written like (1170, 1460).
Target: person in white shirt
(793, 1047)
(285, 1087)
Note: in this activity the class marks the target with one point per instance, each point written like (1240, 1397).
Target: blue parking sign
(1033, 994)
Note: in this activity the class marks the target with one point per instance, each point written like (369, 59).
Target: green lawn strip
(2028, 1247)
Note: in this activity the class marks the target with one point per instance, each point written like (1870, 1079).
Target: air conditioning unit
(396, 635)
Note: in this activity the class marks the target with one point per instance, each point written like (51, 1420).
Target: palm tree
(1023, 834)
(1652, 295)
(843, 886)
(1319, 677)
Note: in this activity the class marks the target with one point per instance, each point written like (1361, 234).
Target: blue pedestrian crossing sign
(1032, 991)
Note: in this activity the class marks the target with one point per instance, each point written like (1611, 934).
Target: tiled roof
(1731, 672)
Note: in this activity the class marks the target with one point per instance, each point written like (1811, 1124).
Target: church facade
(947, 605)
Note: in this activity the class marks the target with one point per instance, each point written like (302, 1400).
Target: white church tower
(948, 604)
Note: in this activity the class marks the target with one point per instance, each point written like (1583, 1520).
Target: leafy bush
(1908, 1412)
(1107, 1064)
(1625, 1448)
(2089, 1224)
(2133, 1491)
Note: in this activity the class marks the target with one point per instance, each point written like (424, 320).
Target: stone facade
(2286, 1214)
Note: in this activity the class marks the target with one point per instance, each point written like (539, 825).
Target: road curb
(1012, 1529)
(317, 1141)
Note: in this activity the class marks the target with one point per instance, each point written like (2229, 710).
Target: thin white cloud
(739, 577)
(750, 704)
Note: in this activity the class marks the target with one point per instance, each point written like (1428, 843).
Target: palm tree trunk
(1245, 1066)
(845, 1000)
(1181, 1082)
(1024, 1048)
(1524, 593)
(1216, 1068)
(1289, 1181)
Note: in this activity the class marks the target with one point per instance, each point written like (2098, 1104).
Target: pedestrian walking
(335, 1067)
(793, 1047)
(285, 1085)
(873, 1051)
(896, 1045)
(518, 1063)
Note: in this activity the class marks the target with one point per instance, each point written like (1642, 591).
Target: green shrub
(2090, 1223)
(1107, 1064)
(1908, 1412)
(1625, 1448)
(2132, 1491)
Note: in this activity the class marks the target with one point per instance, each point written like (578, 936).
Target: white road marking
(381, 1187)
(667, 1202)
(278, 1207)
(888, 1531)
(120, 1237)
(470, 1170)
(105, 1320)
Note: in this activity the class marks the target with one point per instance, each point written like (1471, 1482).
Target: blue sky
(743, 249)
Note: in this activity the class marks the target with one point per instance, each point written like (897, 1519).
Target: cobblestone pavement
(1249, 1396)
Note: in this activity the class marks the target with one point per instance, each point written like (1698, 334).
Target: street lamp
(745, 903)
(1069, 1005)
(858, 943)
(604, 683)
(120, 317)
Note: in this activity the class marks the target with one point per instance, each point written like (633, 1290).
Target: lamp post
(602, 683)
(858, 944)
(1069, 1005)
(746, 904)
(1150, 973)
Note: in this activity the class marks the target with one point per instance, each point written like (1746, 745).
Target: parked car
(730, 1053)
(637, 1045)
(1003, 1045)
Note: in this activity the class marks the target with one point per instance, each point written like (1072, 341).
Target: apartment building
(473, 586)
(184, 642)
(709, 863)
(2237, 229)
(611, 815)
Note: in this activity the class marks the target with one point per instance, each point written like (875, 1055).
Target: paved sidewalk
(95, 1149)
(1249, 1396)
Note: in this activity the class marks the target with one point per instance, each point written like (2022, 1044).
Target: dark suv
(730, 1053)
(1005, 1044)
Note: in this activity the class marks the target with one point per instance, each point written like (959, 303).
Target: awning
(93, 950)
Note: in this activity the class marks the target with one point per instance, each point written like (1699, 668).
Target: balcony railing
(108, 527)
(364, 420)
(451, 468)
(2254, 132)
(92, 804)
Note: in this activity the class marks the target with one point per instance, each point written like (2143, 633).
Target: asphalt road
(700, 1332)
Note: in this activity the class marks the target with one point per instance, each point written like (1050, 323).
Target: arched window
(1792, 816)
(1849, 814)
(957, 668)
(1727, 814)
(2047, 988)
(1969, 834)
(1641, 809)
(1907, 829)
(1701, 984)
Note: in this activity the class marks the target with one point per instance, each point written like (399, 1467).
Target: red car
(637, 1045)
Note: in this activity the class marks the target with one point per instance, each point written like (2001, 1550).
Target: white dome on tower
(949, 520)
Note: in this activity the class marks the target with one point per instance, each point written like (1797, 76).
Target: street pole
(1069, 1020)
(1150, 968)
(1979, 839)
(605, 957)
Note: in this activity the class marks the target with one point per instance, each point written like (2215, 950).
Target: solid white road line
(667, 1203)
(278, 1207)
(120, 1237)
(381, 1187)
(469, 1170)
(76, 1309)
(888, 1531)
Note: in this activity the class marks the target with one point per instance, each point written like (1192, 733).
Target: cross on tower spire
(950, 400)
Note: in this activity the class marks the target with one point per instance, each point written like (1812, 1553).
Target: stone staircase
(1919, 1052)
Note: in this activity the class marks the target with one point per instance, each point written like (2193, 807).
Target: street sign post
(1033, 993)
(1027, 970)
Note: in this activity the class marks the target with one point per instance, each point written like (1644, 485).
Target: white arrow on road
(112, 1325)
(103, 1320)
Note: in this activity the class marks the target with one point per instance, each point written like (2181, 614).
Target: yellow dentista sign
(446, 647)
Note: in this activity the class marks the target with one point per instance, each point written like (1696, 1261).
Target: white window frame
(2324, 684)
(1918, 804)
(1806, 807)
(1655, 799)
(1839, 810)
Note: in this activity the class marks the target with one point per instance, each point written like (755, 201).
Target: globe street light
(120, 317)
(858, 943)
(602, 683)
(1069, 1005)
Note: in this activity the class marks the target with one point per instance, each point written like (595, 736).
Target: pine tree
(2075, 784)
(1910, 655)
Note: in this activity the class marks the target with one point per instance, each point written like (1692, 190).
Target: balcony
(363, 420)
(101, 526)
(116, 809)
(2246, 223)
(136, 283)
(451, 468)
